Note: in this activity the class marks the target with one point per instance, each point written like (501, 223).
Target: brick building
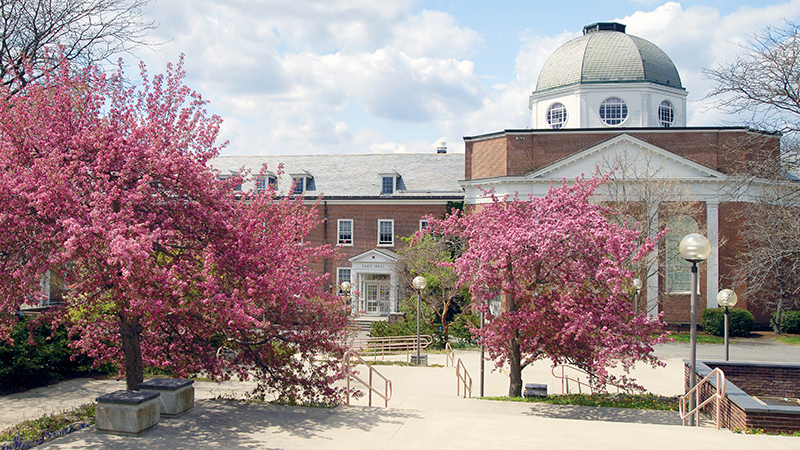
(608, 100)
(367, 203)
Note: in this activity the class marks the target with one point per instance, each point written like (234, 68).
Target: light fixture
(694, 248)
(727, 299)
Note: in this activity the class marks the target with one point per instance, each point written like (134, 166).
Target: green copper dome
(605, 54)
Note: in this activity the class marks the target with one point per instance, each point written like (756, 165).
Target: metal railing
(463, 379)
(348, 373)
(390, 345)
(719, 395)
(566, 378)
(449, 356)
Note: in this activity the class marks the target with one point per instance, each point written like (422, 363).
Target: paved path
(424, 413)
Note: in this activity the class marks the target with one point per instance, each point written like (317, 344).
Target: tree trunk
(130, 332)
(515, 361)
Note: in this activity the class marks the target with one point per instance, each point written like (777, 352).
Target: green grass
(791, 339)
(760, 431)
(49, 423)
(701, 338)
(633, 401)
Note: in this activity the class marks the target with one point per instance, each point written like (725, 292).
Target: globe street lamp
(419, 284)
(637, 283)
(726, 298)
(694, 248)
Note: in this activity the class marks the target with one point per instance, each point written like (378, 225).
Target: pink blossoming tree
(563, 272)
(108, 185)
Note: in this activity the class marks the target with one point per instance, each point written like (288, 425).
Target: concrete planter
(128, 413)
(177, 396)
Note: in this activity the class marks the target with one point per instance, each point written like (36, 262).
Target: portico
(374, 282)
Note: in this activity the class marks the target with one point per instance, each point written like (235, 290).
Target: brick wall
(365, 228)
(739, 410)
(770, 380)
(520, 152)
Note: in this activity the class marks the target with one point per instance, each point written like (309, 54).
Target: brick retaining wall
(739, 410)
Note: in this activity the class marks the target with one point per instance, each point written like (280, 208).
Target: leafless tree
(764, 80)
(83, 31)
(647, 196)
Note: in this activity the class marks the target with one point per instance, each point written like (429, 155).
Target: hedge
(790, 322)
(740, 321)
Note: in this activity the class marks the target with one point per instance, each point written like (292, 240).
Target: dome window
(613, 111)
(666, 114)
(557, 115)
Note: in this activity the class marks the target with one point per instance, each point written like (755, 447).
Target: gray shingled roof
(359, 175)
(607, 56)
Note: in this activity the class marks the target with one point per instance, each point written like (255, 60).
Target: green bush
(790, 322)
(43, 357)
(740, 321)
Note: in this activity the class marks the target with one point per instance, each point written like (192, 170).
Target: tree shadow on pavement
(605, 414)
(224, 424)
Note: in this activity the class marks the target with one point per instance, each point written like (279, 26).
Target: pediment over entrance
(626, 154)
(375, 256)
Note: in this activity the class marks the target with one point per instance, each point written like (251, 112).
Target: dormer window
(302, 182)
(225, 176)
(266, 180)
(389, 182)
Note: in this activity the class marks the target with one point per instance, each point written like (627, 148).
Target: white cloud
(287, 74)
(699, 37)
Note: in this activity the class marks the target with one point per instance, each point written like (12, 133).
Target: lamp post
(419, 284)
(694, 248)
(726, 298)
(637, 283)
(345, 287)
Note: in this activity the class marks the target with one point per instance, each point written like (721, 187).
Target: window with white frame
(342, 275)
(557, 115)
(613, 111)
(387, 185)
(386, 232)
(298, 185)
(666, 114)
(678, 270)
(344, 232)
(423, 223)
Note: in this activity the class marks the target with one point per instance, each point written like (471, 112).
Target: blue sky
(360, 76)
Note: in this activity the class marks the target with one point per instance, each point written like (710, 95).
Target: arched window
(678, 270)
(666, 114)
(557, 115)
(613, 111)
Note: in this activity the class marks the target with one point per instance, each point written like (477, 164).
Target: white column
(652, 281)
(712, 265)
(392, 290)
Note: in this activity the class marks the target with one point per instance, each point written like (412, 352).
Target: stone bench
(129, 413)
(177, 396)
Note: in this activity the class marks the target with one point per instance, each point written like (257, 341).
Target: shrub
(44, 356)
(741, 321)
(790, 322)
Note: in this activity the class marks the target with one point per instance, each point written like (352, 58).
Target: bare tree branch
(34, 32)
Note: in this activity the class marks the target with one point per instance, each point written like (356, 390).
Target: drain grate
(779, 401)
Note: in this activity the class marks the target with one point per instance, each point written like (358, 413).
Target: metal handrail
(463, 379)
(449, 355)
(719, 395)
(565, 379)
(348, 373)
(390, 345)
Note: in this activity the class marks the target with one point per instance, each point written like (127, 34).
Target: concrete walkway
(424, 413)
